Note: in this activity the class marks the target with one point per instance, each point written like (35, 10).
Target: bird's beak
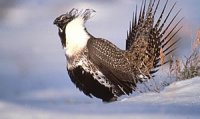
(55, 22)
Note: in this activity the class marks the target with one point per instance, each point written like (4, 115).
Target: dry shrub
(191, 66)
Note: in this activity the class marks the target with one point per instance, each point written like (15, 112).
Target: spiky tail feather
(146, 38)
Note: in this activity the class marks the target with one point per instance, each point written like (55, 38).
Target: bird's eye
(61, 18)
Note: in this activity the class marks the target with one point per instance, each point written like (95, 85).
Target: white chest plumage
(76, 37)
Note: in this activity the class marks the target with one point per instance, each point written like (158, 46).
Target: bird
(99, 68)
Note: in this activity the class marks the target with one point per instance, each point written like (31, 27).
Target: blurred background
(32, 63)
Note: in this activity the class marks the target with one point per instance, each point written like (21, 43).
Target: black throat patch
(62, 37)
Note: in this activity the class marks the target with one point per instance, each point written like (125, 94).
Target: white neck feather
(76, 36)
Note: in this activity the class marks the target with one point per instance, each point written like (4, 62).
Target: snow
(180, 92)
(180, 99)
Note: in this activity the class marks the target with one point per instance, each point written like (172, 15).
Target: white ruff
(76, 36)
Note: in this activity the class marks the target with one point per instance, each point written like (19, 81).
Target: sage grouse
(99, 68)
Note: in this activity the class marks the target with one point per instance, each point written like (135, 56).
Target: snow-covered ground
(178, 100)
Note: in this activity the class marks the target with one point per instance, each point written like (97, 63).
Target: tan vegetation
(190, 66)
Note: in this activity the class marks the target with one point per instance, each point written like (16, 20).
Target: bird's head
(64, 19)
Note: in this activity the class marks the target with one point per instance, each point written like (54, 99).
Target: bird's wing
(148, 40)
(112, 62)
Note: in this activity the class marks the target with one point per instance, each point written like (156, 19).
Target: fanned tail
(150, 40)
